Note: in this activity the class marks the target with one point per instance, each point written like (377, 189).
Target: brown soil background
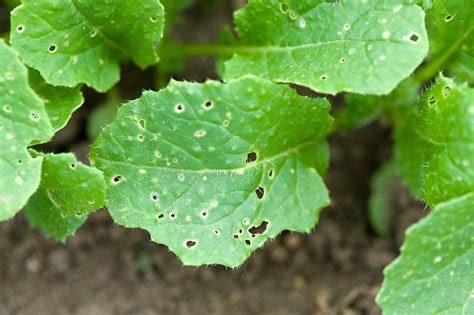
(106, 269)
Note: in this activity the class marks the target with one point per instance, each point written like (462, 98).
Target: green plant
(212, 170)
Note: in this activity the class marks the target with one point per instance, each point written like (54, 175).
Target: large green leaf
(60, 102)
(451, 34)
(365, 47)
(435, 272)
(212, 170)
(23, 120)
(83, 41)
(68, 191)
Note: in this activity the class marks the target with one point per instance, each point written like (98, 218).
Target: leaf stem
(430, 69)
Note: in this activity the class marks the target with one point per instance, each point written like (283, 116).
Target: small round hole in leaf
(251, 157)
(190, 244)
(260, 192)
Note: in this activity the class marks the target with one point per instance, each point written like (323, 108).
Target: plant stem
(209, 49)
(429, 70)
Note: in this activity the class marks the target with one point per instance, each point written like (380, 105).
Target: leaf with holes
(365, 47)
(212, 170)
(60, 102)
(68, 191)
(83, 41)
(440, 148)
(23, 121)
(437, 150)
(434, 273)
(451, 34)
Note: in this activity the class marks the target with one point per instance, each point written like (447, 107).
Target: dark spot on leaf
(432, 100)
(190, 244)
(323, 77)
(259, 229)
(236, 236)
(248, 242)
(414, 38)
(216, 232)
(447, 89)
(284, 7)
(20, 161)
(260, 192)
(251, 157)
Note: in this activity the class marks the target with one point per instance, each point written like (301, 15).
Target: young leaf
(68, 191)
(381, 187)
(365, 47)
(434, 272)
(438, 252)
(212, 170)
(23, 120)
(437, 148)
(451, 34)
(83, 41)
(60, 102)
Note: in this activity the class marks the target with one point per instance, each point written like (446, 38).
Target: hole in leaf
(432, 100)
(161, 216)
(208, 105)
(216, 232)
(154, 196)
(323, 77)
(251, 157)
(248, 242)
(259, 229)
(20, 28)
(236, 236)
(153, 19)
(179, 108)
(270, 173)
(117, 179)
(72, 165)
(52, 48)
(204, 213)
(140, 137)
(190, 244)
(284, 7)
(414, 37)
(142, 123)
(172, 215)
(446, 91)
(448, 18)
(34, 116)
(260, 192)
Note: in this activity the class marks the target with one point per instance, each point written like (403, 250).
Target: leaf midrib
(288, 152)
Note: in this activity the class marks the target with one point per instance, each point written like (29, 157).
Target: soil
(107, 269)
